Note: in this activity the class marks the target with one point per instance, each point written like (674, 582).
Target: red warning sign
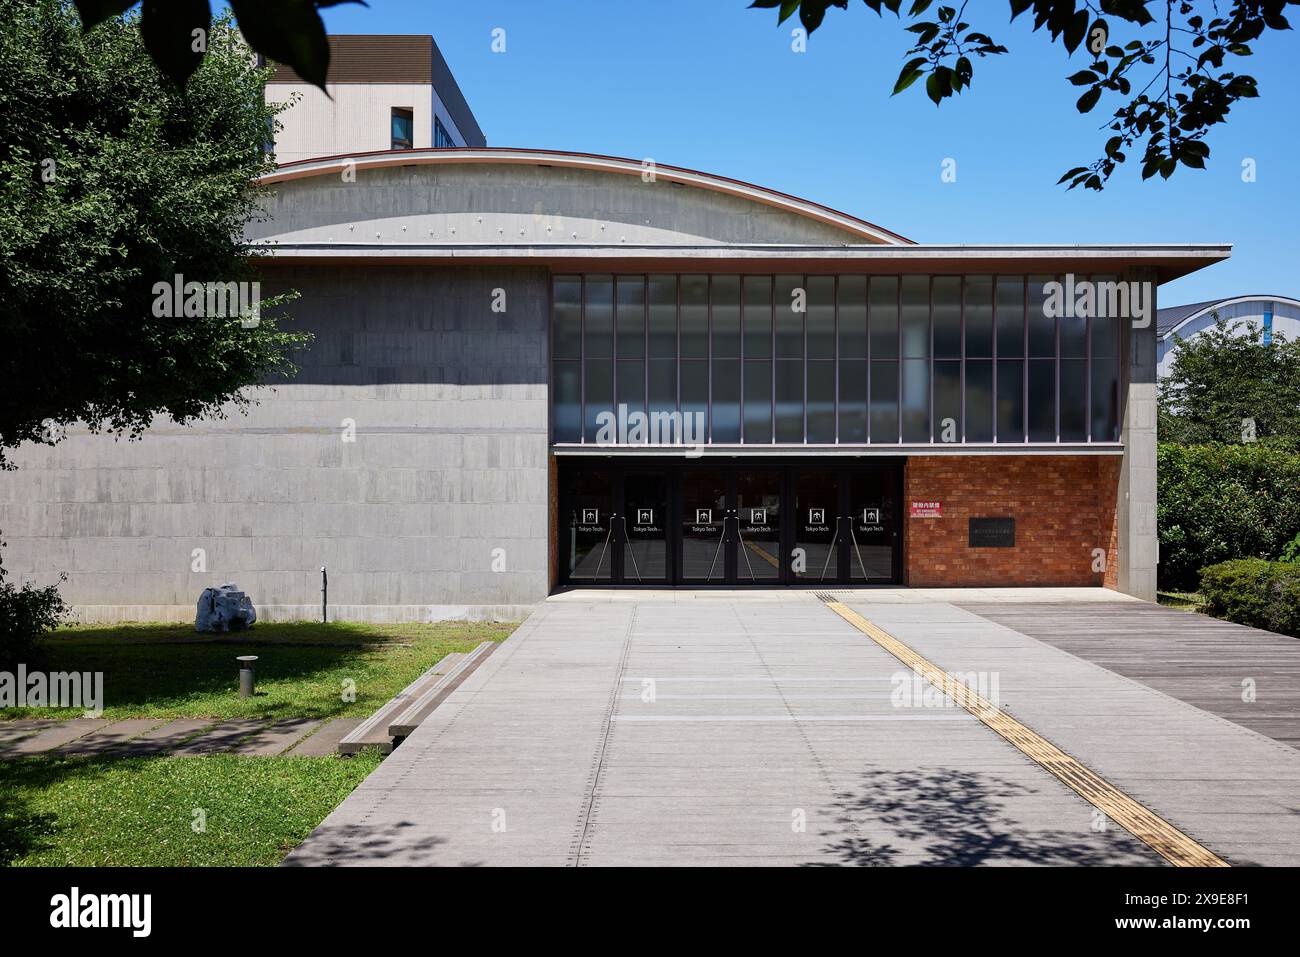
(927, 509)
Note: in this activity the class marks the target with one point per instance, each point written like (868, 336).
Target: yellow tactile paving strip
(1140, 821)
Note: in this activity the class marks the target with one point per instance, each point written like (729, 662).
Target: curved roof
(332, 165)
(1174, 318)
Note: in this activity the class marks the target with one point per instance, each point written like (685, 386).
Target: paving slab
(55, 736)
(165, 738)
(277, 738)
(110, 738)
(325, 740)
(13, 731)
(220, 738)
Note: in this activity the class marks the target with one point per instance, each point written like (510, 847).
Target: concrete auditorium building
(534, 370)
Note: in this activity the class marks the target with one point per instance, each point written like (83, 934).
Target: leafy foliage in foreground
(1185, 45)
(288, 31)
(1216, 503)
(111, 181)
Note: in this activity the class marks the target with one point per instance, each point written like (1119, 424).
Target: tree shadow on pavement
(364, 844)
(949, 818)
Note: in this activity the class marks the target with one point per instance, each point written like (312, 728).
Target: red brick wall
(1064, 507)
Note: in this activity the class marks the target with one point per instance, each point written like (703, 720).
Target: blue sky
(711, 85)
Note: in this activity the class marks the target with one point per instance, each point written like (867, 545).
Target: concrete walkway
(704, 728)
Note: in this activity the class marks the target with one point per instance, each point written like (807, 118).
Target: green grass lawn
(168, 671)
(103, 811)
(85, 812)
(1182, 600)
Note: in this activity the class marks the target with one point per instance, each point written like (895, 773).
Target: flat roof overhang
(1167, 262)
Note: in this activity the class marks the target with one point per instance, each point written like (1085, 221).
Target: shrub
(26, 614)
(1291, 552)
(1221, 502)
(1254, 592)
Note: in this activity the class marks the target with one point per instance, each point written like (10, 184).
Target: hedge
(1254, 592)
(1221, 502)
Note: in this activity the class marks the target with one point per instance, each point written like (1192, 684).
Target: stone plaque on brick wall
(992, 533)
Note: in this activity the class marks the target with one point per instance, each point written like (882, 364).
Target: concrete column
(1136, 497)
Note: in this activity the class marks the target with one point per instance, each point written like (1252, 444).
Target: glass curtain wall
(835, 360)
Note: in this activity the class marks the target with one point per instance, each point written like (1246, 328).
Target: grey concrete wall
(509, 203)
(449, 463)
(1139, 549)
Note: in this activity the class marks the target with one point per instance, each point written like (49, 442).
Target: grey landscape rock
(224, 609)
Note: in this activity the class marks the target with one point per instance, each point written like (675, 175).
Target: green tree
(1226, 385)
(1217, 503)
(113, 181)
(1173, 54)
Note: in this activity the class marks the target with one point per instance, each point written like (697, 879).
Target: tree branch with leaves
(175, 32)
(1183, 52)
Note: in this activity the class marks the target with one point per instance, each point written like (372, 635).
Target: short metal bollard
(246, 675)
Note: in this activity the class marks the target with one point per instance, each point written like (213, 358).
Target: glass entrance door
(703, 517)
(817, 526)
(736, 523)
(644, 524)
(757, 527)
(586, 546)
(873, 526)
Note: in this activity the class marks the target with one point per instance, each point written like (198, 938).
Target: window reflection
(821, 402)
(631, 317)
(1010, 308)
(884, 401)
(947, 317)
(694, 316)
(790, 305)
(726, 401)
(598, 317)
(916, 400)
(1011, 400)
(979, 317)
(882, 317)
(947, 401)
(979, 400)
(725, 298)
(758, 317)
(821, 317)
